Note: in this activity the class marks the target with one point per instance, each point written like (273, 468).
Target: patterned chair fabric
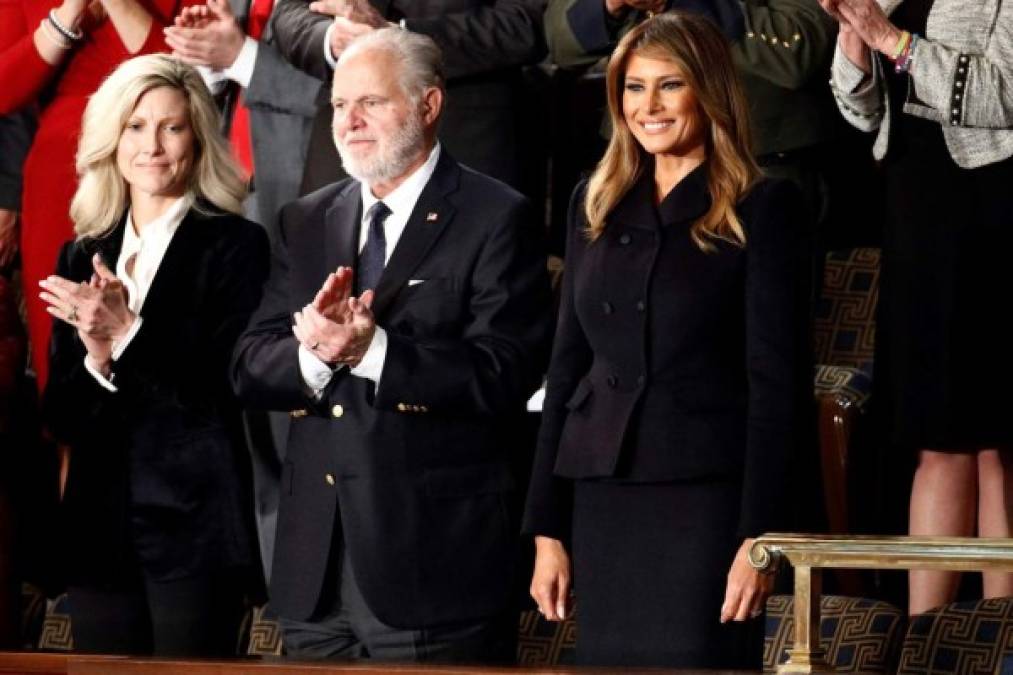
(858, 634)
(264, 633)
(56, 635)
(964, 638)
(545, 643)
(844, 326)
(851, 386)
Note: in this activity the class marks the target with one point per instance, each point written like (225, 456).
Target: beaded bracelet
(53, 36)
(71, 35)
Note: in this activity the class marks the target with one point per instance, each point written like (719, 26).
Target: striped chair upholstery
(963, 638)
(858, 634)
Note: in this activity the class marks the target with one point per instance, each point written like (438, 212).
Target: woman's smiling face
(660, 108)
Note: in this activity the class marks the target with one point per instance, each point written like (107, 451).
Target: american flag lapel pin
(431, 217)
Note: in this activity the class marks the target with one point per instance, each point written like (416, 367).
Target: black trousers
(193, 617)
(348, 629)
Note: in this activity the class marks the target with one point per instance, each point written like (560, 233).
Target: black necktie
(371, 259)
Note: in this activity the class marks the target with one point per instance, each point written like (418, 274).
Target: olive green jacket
(782, 48)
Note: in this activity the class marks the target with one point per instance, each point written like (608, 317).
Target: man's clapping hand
(336, 326)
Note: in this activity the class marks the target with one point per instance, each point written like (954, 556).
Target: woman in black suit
(678, 377)
(149, 300)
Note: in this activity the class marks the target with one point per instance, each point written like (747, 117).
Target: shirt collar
(402, 199)
(162, 227)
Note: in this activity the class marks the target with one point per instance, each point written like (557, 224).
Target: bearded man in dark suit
(405, 323)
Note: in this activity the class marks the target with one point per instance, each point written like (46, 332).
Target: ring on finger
(314, 346)
(72, 315)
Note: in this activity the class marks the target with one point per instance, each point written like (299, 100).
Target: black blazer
(414, 477)
(158, 469)
(484, 45)
(675, 364)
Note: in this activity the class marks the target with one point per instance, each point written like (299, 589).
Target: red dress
(61, 92)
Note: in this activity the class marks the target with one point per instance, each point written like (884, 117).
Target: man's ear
(432, 104)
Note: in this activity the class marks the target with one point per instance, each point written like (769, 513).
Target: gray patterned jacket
(961, 77)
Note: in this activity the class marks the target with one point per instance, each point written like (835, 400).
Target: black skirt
(650, 566)
(943, 351)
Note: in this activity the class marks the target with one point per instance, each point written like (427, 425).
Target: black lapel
(636, 208)
(108, 246)
(177, 262)
(341, 228)
(430, 216)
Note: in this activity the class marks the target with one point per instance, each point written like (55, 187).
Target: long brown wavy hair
(701, 52)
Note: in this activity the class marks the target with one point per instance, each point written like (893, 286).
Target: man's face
(378, 129)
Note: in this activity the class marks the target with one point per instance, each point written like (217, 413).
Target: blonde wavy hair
(701, 52)
(102, 195)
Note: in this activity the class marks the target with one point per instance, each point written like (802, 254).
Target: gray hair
(420, 57)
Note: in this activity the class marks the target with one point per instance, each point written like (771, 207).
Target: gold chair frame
(809, 555)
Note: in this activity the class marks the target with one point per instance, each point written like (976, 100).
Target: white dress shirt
(140, 256)
(241, 70)
(401, 202)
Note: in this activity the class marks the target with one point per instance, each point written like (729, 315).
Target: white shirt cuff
(214, 79)
(371, 365)
(99, 377)
(121, 346)
(328, 57)
(315, 373)
(241, 70)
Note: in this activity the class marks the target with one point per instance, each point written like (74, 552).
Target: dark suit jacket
(415, 476)
(484, 44)
(675, 364)
(158, 470)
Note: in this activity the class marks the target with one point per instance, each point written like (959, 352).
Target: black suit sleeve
(265, 367)
(487, 37)
(172, 362)
(550, 498)
(299, 36)
(74, 400)
(480, 39)
(778, 358)
(498, 359)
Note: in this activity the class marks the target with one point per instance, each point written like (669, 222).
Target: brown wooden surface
(24, 663)
(29, 663)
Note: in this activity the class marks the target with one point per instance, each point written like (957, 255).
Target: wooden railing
(26, 663)
(809, 555)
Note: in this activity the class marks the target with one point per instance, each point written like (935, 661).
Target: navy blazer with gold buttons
(671, 363)
(412, 478)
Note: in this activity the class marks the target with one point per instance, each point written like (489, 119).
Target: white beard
(393, 156)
